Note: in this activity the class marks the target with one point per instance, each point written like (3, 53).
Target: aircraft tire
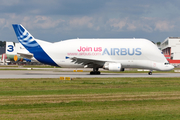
(92, 73)
(150, 73)
(95, 73)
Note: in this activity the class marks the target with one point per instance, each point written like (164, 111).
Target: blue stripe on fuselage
(41, 56)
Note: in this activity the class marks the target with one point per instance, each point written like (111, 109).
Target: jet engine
(113, 66)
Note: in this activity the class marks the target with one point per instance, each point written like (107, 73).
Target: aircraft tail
(33, 45)
(10, 48)
(24, 37)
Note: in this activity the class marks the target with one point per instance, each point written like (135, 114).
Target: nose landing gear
(150, 72)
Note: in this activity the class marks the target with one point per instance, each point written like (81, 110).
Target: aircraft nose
(172, 67)
(168, 67)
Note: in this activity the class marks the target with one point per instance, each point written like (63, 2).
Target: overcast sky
(55, 20)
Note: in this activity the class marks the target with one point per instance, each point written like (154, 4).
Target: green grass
(8, 66)
(39, 66)
(90, 98)
(146, 109)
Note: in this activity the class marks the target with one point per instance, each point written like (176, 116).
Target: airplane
(12, 50)
(3, 60)
(109, 54)
(8, 56)
(11, 53)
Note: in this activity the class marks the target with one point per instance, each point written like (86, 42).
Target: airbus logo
(122, 51)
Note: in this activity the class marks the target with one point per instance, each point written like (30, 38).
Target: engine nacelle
(113, 66)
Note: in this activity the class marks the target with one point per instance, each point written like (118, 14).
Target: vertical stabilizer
(31, 44)
(24, 37)
(10, 48)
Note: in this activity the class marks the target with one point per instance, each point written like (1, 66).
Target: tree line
(2, 43)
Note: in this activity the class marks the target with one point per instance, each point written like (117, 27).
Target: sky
(56, 20)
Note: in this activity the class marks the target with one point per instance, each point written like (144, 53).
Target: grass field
(90, 98)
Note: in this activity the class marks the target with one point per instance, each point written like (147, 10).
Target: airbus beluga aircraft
(110, 54)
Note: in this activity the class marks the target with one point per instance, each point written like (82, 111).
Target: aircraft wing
(90, 63)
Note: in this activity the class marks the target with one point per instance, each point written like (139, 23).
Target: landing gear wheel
(95, 72)
(92, 73)
(98, 73)
(150, 73)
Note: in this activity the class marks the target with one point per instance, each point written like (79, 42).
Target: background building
(171, 49)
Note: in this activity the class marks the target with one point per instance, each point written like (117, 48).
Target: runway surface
(57, 74)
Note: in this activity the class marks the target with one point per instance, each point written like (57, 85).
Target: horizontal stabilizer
(26, 55)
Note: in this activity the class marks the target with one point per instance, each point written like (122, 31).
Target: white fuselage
(131, 53)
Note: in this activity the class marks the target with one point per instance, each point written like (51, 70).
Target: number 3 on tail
(10, 48)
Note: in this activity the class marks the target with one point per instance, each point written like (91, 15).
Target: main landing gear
(150, 72)
(95, 71)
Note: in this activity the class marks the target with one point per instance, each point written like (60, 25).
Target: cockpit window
(166, 63)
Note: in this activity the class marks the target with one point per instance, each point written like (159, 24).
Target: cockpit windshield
(166, 63)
